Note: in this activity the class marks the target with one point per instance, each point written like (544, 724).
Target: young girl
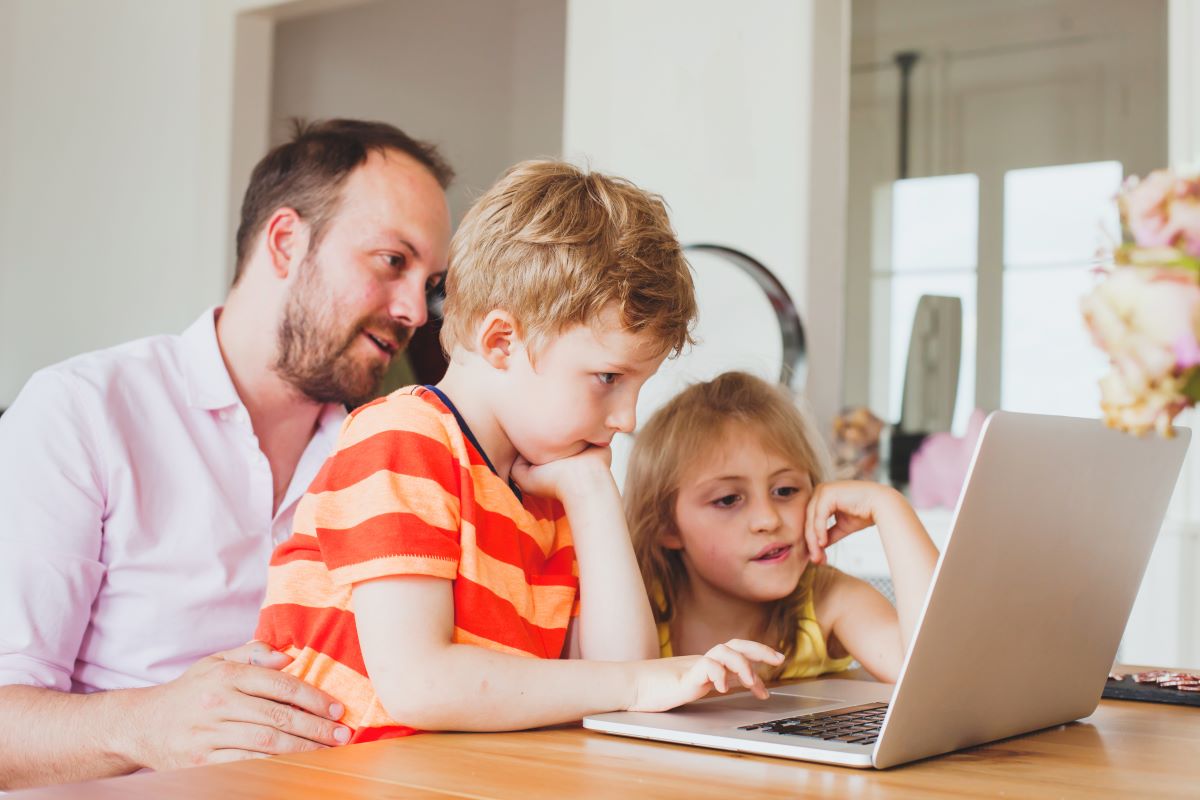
(730, 521)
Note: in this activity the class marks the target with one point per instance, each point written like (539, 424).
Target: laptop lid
(1033, 589)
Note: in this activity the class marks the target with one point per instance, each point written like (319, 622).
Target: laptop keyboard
(854, 725)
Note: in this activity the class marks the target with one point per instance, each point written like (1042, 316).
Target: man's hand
(232, 706)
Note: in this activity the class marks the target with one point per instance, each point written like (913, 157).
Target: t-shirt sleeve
(386, 502)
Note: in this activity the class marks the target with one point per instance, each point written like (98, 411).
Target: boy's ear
(497, 338)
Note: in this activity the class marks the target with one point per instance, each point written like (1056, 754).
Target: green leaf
(1191, 386)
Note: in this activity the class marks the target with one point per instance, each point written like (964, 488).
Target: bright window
(933, 249)
(1055, 219)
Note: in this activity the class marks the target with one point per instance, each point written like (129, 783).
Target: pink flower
(1146, 314)
(1144, 318)
(1162, 210)
(1147, 320)
(1144, 206)
(1183, 226)
(1187, 351)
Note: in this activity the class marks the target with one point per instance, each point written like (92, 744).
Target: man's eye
(728, 501)
(607, 378)
(435, 283)
(395, 261)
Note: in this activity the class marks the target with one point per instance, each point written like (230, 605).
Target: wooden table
(1125, 749)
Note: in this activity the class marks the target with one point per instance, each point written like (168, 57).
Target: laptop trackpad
(744, 707)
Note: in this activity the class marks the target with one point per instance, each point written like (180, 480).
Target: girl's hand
(665, 683)
(566, 477)
(853, 505)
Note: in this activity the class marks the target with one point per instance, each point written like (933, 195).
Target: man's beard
(314, 345)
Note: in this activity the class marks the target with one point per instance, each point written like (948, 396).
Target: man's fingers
(257, 653)
(283, 688)
(296, 722)
(263, 739)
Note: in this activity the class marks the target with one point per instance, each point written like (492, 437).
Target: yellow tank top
(811, 657)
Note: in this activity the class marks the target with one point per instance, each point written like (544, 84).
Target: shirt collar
(209, 386)
(207, 378)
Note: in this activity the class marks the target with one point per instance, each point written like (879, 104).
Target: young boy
(462, 538)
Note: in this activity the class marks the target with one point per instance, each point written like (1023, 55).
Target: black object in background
(1129, 689)
(903, 445)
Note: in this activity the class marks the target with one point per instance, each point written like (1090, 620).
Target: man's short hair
(307, 173)
(554, 245)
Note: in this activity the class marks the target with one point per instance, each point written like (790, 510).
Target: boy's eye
(728, 501)
(607, 378)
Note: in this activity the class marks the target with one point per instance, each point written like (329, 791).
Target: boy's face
(581, 389)
(741, 515)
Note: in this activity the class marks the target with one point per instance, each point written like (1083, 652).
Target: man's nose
(408, 304)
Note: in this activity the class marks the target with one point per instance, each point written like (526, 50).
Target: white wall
(481, 78)
(721, 109)
(119, 179)
(113, 154)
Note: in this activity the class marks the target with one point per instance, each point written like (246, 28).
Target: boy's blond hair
(686, 431)
(553, 246)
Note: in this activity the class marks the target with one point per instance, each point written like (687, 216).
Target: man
(142, 488)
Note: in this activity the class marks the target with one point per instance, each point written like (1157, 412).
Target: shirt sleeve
(51, 528)
(387, 501)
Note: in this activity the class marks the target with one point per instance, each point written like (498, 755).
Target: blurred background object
(856, 443)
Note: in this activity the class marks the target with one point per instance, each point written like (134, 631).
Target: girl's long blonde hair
(689, 428)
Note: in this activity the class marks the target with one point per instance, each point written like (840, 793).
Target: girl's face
(741, 515)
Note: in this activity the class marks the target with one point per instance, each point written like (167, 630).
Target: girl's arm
(862, 620)
(423, 679)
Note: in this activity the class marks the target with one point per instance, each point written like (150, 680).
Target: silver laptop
(1028, 603)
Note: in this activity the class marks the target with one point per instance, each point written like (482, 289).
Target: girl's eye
(787, 491)
(607, 378)
(728, 501)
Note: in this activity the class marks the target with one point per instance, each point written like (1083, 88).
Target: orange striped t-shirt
(408, 491)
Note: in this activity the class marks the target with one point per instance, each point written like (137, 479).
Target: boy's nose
(623, 418)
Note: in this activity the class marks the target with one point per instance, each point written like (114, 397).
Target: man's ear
(497, 338)
(286, 240)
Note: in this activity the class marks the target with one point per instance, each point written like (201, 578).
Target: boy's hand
(853, 505)
(565, 478)
(665, 683)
